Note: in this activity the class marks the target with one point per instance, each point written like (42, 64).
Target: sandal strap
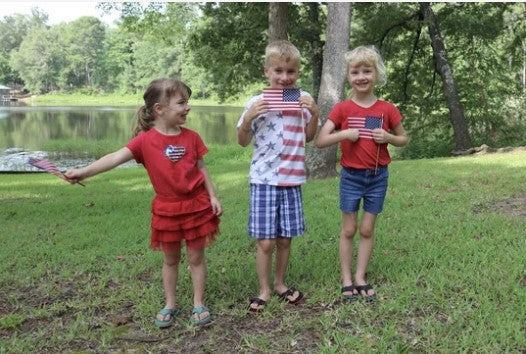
(348, 288)
(171, 312)
(199, 310)
(365, 287)
(257, 301)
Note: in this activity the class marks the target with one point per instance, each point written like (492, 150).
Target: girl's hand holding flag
(48, 166)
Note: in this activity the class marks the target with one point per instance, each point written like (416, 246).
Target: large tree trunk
(321, 163)
(277, 21)
(456, 113)
(313, 36)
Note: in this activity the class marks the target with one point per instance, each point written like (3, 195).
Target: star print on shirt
(271, 126)
(280, 135)
(261, 137)
(269, 164)
(270, 145)
(280, 115)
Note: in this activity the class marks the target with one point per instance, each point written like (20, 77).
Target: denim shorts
(275, 211)
(356, 184)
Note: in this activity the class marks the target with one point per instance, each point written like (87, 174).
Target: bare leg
(282, 261)
(196, 260)
(265, 249)
(365, 249)
(170, 273)
(349, 221)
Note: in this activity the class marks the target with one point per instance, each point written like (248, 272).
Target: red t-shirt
(172, 176)
(362, 153)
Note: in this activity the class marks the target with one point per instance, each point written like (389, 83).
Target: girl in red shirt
(363, 125)
(185, 206)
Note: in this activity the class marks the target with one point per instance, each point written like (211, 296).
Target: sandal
(353, 296)
(198, 311)
(257, 301)
(290, 292)
(166, 312)
(366, 288)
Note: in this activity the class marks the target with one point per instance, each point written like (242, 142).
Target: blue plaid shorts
(275, 211)
(357, 184)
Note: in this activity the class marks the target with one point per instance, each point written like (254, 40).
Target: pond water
(32, 128)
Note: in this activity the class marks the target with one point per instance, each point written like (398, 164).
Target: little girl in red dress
(185, 206)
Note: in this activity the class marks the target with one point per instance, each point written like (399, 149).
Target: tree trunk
(313, 36)
(321, 163)
(456, 113)
(277, 21)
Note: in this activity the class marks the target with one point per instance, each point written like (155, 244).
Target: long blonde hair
(158, 91)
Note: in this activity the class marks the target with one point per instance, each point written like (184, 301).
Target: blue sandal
(198, 311)
(165, 312)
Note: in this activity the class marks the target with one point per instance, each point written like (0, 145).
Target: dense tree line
(218, 49)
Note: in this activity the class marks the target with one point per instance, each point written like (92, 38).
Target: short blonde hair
(369, 56)
(281, 49)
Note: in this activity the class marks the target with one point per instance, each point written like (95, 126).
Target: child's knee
(366, 231)
(266, 246)
(348, 232)
(283, 242)
(172, 259)
(195, 257)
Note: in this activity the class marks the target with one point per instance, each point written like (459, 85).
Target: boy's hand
(351, 134)
(380, 136)
(308, 102)
(258, 108)
(216, 206)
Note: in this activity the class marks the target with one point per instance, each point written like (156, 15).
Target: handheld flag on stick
(282, 99)
(378, 148)
(48, 166)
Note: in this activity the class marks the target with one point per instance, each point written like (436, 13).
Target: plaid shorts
(275, 211)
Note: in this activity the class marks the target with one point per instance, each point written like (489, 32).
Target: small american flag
(365, 125)
(48, 166)
(282, 99)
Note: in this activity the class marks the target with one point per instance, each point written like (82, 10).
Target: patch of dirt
(515, 206)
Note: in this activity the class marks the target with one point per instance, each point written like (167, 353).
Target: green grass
(77, 275)
(78, 99)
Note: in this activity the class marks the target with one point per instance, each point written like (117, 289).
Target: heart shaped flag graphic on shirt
(174, 153)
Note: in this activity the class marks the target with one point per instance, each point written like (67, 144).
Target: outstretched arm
(103, 164)
(328, 136)
(216, 205)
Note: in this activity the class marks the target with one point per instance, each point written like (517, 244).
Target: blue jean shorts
(275, 211)
(358, 184)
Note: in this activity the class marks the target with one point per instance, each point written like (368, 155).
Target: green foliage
(217, 48)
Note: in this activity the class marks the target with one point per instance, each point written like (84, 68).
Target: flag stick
(378, 148)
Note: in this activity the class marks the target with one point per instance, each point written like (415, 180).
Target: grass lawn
(76, 274)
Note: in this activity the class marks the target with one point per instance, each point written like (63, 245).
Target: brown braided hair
(158, 91)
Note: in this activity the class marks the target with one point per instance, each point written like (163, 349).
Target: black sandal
(290, 292)
(366, 288)
(353, 296)
(257, 301)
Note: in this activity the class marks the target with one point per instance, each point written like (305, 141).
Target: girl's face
(282, 73)
(175, 112)
(362, 78)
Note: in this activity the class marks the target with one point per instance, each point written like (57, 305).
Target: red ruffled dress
(181, 208)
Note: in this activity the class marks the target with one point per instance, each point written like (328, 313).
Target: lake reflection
(31, 127)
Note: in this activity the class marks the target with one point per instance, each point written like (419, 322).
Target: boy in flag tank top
(280, 121)
(363, 125)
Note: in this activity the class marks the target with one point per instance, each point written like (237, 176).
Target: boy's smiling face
(282, 73)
